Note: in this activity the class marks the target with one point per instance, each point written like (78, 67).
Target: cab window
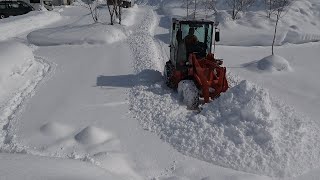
(203, 32)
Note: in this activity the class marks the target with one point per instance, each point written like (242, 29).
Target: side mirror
(217, 36)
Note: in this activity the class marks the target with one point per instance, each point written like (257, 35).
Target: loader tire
(168, 73)
(189, 93)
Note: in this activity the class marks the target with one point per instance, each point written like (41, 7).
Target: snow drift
(19, 75)
(296, 37)
(274, 63)
(12, 62)
(92, 135)
(90, 34)
(245, 129)
(15, 26)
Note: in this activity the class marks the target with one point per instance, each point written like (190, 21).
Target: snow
(247, 129)
(143, 46)
(273, 63)
(92, 135)
(84, 34)
(298, 37)
(55, 129)
(253, 28)
(188, 93)
(130, 16)
(18, 166)
(14, 26)
(12, 62)
(20, 73)
(244, 129)
(94, 99)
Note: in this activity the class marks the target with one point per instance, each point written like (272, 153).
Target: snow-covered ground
(14, 26)
(88, 101)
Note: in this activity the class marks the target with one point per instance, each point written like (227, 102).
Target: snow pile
(297, 37)
(91, 34)
(129, 16)
(143, 46)
(245, 129)
(17, 25)
(12, 62)
(92, 135)
(274, 63)
(188, 93)
(19, 75)
(55, 129)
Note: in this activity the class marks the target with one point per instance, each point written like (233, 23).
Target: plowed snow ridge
(245, 129)
(143, 46)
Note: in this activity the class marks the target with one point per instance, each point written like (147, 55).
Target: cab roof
(191, 21)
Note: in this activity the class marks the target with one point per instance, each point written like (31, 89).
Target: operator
(190, 40)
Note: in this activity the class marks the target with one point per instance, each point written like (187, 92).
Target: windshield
(203, 32)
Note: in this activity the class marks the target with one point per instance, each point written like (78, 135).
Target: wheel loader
(192, 68)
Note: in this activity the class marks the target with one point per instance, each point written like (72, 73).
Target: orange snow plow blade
(209, 75)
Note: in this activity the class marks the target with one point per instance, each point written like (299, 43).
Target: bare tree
(92, 6)
(239, 6)
(112, 9)
(280, 8)
(195, 9)
(119, 12)
(187, 8)
(115, 10)
(269, 7)
(208, 5)
(211, 5)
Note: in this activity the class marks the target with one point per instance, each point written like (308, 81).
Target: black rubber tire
(189, 94)
(168, 73)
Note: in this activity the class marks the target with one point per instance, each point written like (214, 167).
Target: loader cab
(180, 50)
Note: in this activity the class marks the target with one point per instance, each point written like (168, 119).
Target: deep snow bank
(297, 37)
(14, 57)
(91, 34)
(143, 45)
(20, 72)
(245, 129)
(15, 26)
